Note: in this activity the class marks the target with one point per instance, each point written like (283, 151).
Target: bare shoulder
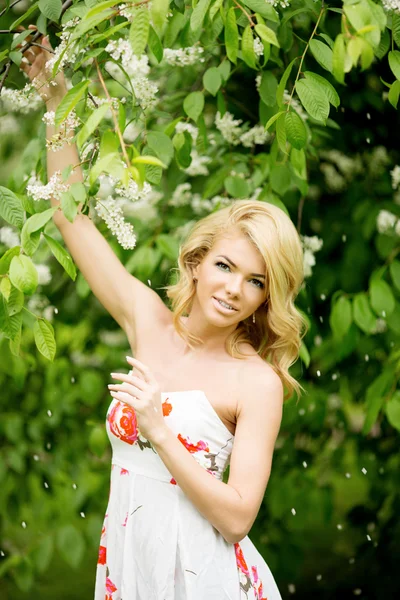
(260, 387)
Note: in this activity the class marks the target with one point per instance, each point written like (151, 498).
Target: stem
(6, 9)
(305, 52)
(245, 12)
(6, 71)
(299, 213)
(44, 47)
(9, 31)
(124, 152)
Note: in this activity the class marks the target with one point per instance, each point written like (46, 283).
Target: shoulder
(259, 387)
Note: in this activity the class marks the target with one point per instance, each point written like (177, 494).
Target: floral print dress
(155, 544)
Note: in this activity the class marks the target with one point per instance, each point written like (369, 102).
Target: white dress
(155, 544)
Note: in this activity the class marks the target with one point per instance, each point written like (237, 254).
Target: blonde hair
(276, 335)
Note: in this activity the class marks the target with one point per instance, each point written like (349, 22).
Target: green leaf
(299, 163)
(248, 54)
(396, 28)
(267, 35)
(155, 45)
(231, 36)
(362, 313)
(237, 187)
(212, 80)
(61, 255)
(215, 8)
(295, 130)
(274, 117)
(375, 396)
(10, 324)
(18, 39)
(283, 82)
(313, 99)
(304, 354)
(37, 221)
(394, 63)
(11, 209)
(193, 105)
(43, 553)
(90, 23)
(280, 130)
(91, 124)
(103, 165)
(264, 9)
(162, 146)
(148, 160)
(394, 92)
(98, 440)
(23, 274)
(78, 191)
(322, 54)
(24, 16)
(159, 10)
(69, 101)
(325, 87)
(98, 7)
(51, 9)
(168, 245)
(394, 273)
(341, 317)
(7, 257)
(139, 31)
(392, 410)
(267, 88)
(198, 14)
(382, 299)
(338, 58)
(43, 333)
(68, 206)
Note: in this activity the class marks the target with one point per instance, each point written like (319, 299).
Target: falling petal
(82, 515)
(293, 511)
(35, 457)
(364, 470)
(49, 413)
(23, 524)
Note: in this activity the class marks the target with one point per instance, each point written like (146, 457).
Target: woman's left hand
(144, 395)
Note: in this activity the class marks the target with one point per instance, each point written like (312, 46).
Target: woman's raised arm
(124, 296)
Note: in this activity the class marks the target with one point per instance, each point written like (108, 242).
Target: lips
(221, 300)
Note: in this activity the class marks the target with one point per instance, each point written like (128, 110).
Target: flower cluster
(65, 52)
(198, 164)
(258, 47)
(281, 3)
(232, 132)
(9, 237)
(388, 223)
(112, 215)
(63, 136)
(395, 173)
(310, 246)
(44, 274)
(182, 196)
(137, 68)
(181, 57)
(133, 192)
(181, 127)
(391, 6)
(23, 101)
(8, 125)
(53, 189)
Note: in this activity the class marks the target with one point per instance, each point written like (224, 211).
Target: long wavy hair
(276, 335)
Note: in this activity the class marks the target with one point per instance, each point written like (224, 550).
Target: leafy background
(329, 523)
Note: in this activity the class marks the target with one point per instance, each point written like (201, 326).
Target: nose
(233, 286)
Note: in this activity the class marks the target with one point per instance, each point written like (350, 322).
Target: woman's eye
(258, 282)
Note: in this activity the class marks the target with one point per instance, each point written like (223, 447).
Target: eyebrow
(233, 265)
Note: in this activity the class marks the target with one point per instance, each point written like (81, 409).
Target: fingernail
(129, 358)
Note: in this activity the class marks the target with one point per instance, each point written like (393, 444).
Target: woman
(173, 530)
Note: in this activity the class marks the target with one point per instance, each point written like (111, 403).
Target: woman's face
(233, 271)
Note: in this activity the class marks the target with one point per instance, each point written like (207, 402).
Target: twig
(93, 100)
(245, 12)
(7, 69)
(124, 152)
(3, 12)
(44, 47)
(299, 213)
(305, 52)
(9, 31)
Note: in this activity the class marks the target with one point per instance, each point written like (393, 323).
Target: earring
(254, 317)
(194, 279)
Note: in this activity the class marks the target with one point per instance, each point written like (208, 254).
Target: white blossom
(135, 66)
(9, 237)
(145, 92)
(391, 5)
(132, 192)
(229, 127)
(255, 135)
(385, 221)
(63, 134)
(68, 51)
(181, 127)
(183, 56)
(112, 215)
(44, 274)
(397, 228)
(380, 326)
(198, 164)
(181, 195)
(281, 3)
(334, 180)
(395, 173)
(308, 262)
(349, 166)
(258, 81)
(23, 101)
(258, 46)
(311, 244)
(53, 189)
(131, 132)
(8, 125)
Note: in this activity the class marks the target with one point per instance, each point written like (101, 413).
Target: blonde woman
(205, 389)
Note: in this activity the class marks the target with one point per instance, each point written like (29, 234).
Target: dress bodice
(190, 415)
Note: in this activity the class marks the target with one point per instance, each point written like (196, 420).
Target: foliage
(293, 104)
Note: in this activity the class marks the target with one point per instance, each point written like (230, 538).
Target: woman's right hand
(48, 87)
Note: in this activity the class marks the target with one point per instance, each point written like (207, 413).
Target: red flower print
(124, 471)
(260, 593)
(102, 555)
(166, 408)
(255, 574)
(192, 447)
(126, 518)
(123, 422)
(241, 563)
(110, 586)
(173, 481)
